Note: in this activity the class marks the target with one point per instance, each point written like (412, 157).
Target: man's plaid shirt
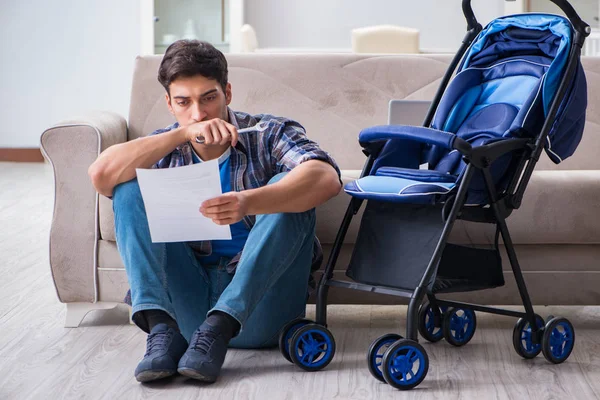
(256, 158)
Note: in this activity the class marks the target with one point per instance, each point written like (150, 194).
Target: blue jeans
(267, 290)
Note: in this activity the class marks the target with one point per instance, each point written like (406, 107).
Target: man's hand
(226, 209)
(214, 131)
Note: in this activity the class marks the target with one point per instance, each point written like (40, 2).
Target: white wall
(63, 57)
(588, 10)
(327, 23)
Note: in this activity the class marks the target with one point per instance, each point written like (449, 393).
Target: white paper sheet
(172, 197)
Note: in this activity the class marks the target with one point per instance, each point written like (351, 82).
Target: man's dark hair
(187, 58)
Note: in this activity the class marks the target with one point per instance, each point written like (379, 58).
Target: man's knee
(304, 219)
(127, 193)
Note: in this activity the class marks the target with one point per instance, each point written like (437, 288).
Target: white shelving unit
(215, 21)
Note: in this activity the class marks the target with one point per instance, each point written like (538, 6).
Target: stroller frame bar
(409, 293)
(370, 288)
(574, 54)
(477, 307)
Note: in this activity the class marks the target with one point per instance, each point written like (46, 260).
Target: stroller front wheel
(428, 327)
(312, 347)
(523, 339)
(285, 336)
(405, 364)
(459, 326)
(558, 340)
(376, 352)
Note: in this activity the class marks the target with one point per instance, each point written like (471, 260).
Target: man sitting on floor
(196, 298)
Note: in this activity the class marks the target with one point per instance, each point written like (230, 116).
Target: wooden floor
(40, 359)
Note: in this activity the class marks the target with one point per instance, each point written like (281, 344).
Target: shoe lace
(203, 340)
(157, 341)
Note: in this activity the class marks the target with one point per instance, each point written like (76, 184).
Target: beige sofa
(556, 231)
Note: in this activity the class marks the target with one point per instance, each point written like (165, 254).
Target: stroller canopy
(537, 37)
(546, 40)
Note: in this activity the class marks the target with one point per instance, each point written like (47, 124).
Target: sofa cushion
(559, 207)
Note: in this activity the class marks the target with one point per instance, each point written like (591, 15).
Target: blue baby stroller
(519, 89)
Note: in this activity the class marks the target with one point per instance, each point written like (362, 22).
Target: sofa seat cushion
(559, 207)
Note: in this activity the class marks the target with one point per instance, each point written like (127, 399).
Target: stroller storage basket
(395, 245)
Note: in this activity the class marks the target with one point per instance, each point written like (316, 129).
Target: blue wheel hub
(527, 338)
(462, 325)
(378, 359)
(313, 348)
(561, 340)
(430, 323)
(407, 365)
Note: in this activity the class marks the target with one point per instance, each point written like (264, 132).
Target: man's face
(198, 98)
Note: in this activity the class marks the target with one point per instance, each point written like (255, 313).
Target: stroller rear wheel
(312, 347)
(405, 364)
(285, 336)
(428, 328)
(376, 352)
(523, 340)
(558, 340)
(459, 326)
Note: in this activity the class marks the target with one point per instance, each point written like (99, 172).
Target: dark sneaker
(164, 348)
(205, 355)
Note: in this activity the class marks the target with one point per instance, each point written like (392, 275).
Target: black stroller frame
(501, 205)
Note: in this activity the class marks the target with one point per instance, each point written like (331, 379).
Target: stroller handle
(570, 12)
(580, 26)
(469, 15)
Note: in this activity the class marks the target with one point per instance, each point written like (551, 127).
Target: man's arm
(117, 164)
(306, 186)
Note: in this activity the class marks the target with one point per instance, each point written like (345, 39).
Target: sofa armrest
(71, 146)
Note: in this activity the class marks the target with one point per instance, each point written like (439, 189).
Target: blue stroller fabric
(512, 35)
(503, 89)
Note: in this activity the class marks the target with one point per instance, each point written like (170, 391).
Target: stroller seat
(399, 189)
(481, 106)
